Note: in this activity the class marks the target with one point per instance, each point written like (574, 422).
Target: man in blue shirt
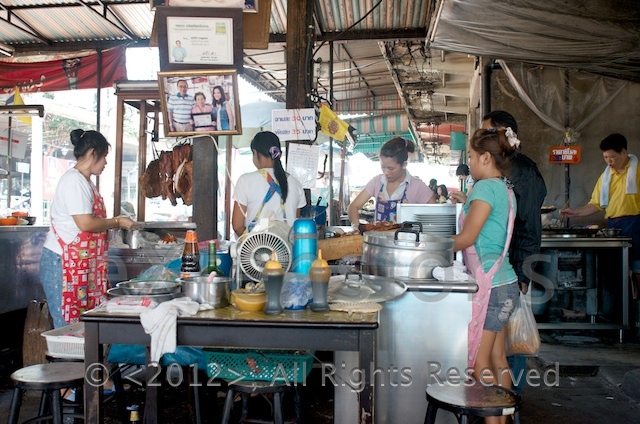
(179, 109)
(179, 52)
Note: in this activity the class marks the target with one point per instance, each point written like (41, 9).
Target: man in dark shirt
(530, 191)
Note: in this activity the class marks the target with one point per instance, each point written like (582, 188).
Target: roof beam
(373, 35)
(124, 29)
(32, 32)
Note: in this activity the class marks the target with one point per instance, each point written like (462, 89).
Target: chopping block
(339, 247)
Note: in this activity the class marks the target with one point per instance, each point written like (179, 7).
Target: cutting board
(339, 247)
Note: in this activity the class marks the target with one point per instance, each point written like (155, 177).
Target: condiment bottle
(213, 261)
(273, 276)
(319, 274)
(190, 256)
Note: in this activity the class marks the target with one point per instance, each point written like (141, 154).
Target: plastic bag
(158, 273)
(296, 291)
(522, 331)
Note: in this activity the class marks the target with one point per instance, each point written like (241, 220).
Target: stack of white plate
(439, 225)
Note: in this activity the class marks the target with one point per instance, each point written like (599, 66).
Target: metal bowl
(201, 290)
(611, 232)
(149, 287)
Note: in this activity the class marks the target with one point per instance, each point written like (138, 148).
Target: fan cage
(255, 250)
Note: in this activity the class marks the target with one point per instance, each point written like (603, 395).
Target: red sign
(65, 74)
(564, 154)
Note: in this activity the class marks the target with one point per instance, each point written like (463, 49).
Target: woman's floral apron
(387, 210)
(480, 300)
(84, 267)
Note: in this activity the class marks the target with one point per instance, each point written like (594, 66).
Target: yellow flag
(17, 100)
(331, 125)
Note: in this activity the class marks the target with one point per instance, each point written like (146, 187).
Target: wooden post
(205, 187)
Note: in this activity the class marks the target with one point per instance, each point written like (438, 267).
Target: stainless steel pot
(405, 253)
(199, 289)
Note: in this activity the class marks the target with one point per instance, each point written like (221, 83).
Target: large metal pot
(199, 289)
(405, 253)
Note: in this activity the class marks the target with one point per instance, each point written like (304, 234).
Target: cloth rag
(455, 272)
(160, 324)
(631, 187)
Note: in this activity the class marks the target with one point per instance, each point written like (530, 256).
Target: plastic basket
(66, 342)
(281, 366)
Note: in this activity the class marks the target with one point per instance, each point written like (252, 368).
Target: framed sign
(200, 102)
(199, 38)
(564, 154)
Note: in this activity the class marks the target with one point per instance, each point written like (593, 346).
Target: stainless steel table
(608, 267)
(228, 327)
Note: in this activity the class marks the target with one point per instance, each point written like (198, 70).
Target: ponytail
(267, 144)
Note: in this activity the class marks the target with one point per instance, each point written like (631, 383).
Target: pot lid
(407, 238)
(357, 287)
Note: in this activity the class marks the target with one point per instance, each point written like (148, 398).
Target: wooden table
(228, 327)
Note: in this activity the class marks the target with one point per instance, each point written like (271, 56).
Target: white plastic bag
(522, 331)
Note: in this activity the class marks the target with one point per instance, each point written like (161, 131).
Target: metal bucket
(405, 253)
(199, 289)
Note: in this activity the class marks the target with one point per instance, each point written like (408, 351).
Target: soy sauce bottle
(190, 256)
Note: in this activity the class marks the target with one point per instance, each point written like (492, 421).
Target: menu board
(302, 163)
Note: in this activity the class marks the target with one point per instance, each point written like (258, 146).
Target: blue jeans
(51, 280)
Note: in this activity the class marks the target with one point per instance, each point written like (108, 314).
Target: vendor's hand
(457, 197)
(567, 213)
(128, 223)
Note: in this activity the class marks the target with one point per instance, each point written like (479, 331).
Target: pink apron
(480, 300)
(84, 267)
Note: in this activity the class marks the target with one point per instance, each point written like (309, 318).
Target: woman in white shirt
(73, 266)
(269, 190)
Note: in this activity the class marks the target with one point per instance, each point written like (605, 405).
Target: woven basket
(279, 366)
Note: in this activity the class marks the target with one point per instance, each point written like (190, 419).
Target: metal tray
(147, 287)
(158, 298)
(356, 287)
(574, 231)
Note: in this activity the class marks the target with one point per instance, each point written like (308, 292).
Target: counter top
(587, 242)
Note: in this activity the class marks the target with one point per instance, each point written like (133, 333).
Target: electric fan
(253, 250)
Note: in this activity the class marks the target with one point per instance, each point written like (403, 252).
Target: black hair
(500, 118)
(496, 143)
(223, 97)
(83, 141)
(433, 182)
(443, 187)
(615, 142)
(200, 93)
(398, 149)
(462, 169)
(267, 144)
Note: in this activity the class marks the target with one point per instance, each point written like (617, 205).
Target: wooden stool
(263, 388)
(472, 401)
(49, 379)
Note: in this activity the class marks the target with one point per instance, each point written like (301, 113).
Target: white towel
(160, 323)
(456, 272)
(631, 186)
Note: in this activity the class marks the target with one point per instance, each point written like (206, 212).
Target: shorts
(501, 303)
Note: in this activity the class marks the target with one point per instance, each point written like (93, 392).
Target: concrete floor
(588, 390)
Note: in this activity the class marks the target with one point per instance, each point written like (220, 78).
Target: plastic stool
(263, 388)
(472, 401)
(49, 379)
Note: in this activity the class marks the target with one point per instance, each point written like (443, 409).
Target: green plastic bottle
(213, 261)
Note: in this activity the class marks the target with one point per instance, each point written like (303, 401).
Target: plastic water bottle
(305, 245)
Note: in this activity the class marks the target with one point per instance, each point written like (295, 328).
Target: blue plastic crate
(278, 366)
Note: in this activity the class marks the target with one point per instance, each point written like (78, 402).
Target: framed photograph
(200, 102)
(199, 38)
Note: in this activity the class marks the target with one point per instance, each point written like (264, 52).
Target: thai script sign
(564, 154)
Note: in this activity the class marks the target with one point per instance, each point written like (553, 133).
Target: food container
(66, 342)
(148, 287)
(405, 253)
(611, 232)
(10, 220)
(249, 302)
(199, 289)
